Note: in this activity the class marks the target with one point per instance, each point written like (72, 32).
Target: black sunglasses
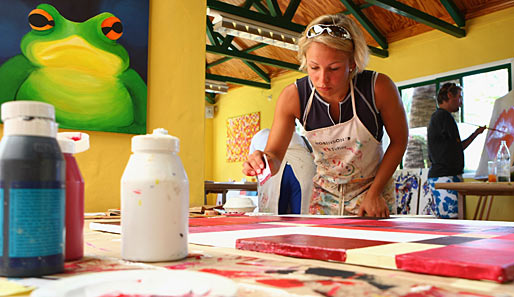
(332, 30)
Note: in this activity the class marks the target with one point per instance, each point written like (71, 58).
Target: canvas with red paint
(502, 120)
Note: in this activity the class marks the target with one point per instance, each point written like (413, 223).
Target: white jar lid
(67, 145)
(159, 140)
(13, 109)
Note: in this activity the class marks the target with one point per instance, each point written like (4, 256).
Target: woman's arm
(391, 109)
(286, 110)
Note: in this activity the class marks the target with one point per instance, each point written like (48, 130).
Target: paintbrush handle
(485, 127)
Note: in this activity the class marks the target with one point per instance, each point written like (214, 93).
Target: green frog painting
(81, 69)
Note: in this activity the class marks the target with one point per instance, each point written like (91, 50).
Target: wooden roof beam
(210, 98)
(261, 8)
(419, 16)
(248, 50)
(252, 58)
(238, 81)
(274, 8)
(366, 23)
(279, 22)
(291, 9)
(211, 34)
(454, 12)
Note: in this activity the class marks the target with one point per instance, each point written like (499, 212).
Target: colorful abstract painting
(240, 131)
(406, 186)
(86, 58)
(502, 121)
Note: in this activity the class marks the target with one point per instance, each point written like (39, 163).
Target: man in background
(446, 150)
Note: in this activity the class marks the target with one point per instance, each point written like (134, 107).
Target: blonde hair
(357, 47)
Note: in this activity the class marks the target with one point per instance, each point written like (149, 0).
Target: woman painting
(343, 109)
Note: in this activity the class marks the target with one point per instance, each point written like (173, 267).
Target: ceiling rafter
(291, 9)
(248, 50)
(261, 7)
(366, 23)
(274, 8)
(238, 81)
(419, 16)
(454, 12)
(279, 22)
(253, 58)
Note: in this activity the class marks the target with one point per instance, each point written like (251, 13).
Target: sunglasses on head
(332, 30)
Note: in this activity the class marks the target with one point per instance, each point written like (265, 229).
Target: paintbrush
(486, 127)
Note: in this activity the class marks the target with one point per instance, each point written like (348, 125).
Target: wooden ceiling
(382, 21)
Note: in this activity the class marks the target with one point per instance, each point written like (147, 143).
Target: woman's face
(329, 70)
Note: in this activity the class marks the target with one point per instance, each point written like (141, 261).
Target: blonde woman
(343, 109)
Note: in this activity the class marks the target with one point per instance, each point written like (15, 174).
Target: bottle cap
(159, 140)
(13, 109)
(32, 118)
(67, 145)
(80, 141)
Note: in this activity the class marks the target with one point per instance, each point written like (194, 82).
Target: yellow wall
(176, 67)
(176, 71)
(489, 38)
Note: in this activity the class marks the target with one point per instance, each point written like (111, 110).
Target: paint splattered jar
(32, 191)
(154, 200)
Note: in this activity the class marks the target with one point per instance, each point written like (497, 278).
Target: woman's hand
(254, 165)
(373, 206)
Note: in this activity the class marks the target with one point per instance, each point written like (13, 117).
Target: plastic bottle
(32, 178)
(503, 162)
(72, 143)
(154, 200)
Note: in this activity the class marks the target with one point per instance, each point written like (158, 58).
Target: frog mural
(80, 69)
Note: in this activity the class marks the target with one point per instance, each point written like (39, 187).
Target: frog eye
(112, 28)
(40, 20)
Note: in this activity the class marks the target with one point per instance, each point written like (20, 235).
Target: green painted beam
(378, 52)
(366, 23)
(238, 81)
(252, 58)
(255, 16)
(419, 16)
(258, 70)
(261, 8)
(361, 7)
(210, 33)
(291, 9)
(227, 41)
(274, 8)
(454, 12)
(254, 67)
(248, 50)
(210, 98)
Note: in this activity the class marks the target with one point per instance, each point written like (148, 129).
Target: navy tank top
(319, 115)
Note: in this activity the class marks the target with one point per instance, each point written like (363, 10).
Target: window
(481, 85)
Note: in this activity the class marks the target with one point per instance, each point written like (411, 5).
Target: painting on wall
(240, 131)
(502, 121)
(86, 58)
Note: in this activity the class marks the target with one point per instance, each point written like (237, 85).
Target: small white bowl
(239, 204)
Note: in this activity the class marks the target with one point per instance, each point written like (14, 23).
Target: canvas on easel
(502, 121)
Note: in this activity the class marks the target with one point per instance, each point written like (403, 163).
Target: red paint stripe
(281, 282)
(232, 273)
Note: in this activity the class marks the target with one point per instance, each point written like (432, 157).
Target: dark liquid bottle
(32, 191)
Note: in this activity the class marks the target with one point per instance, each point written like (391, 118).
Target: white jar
(154, 200)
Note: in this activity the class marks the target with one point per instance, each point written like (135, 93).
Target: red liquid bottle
(74, 215)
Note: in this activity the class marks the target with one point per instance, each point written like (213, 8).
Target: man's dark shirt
(444, 145)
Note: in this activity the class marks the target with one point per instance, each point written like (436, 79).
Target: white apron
(347, 156)
(301, 161)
